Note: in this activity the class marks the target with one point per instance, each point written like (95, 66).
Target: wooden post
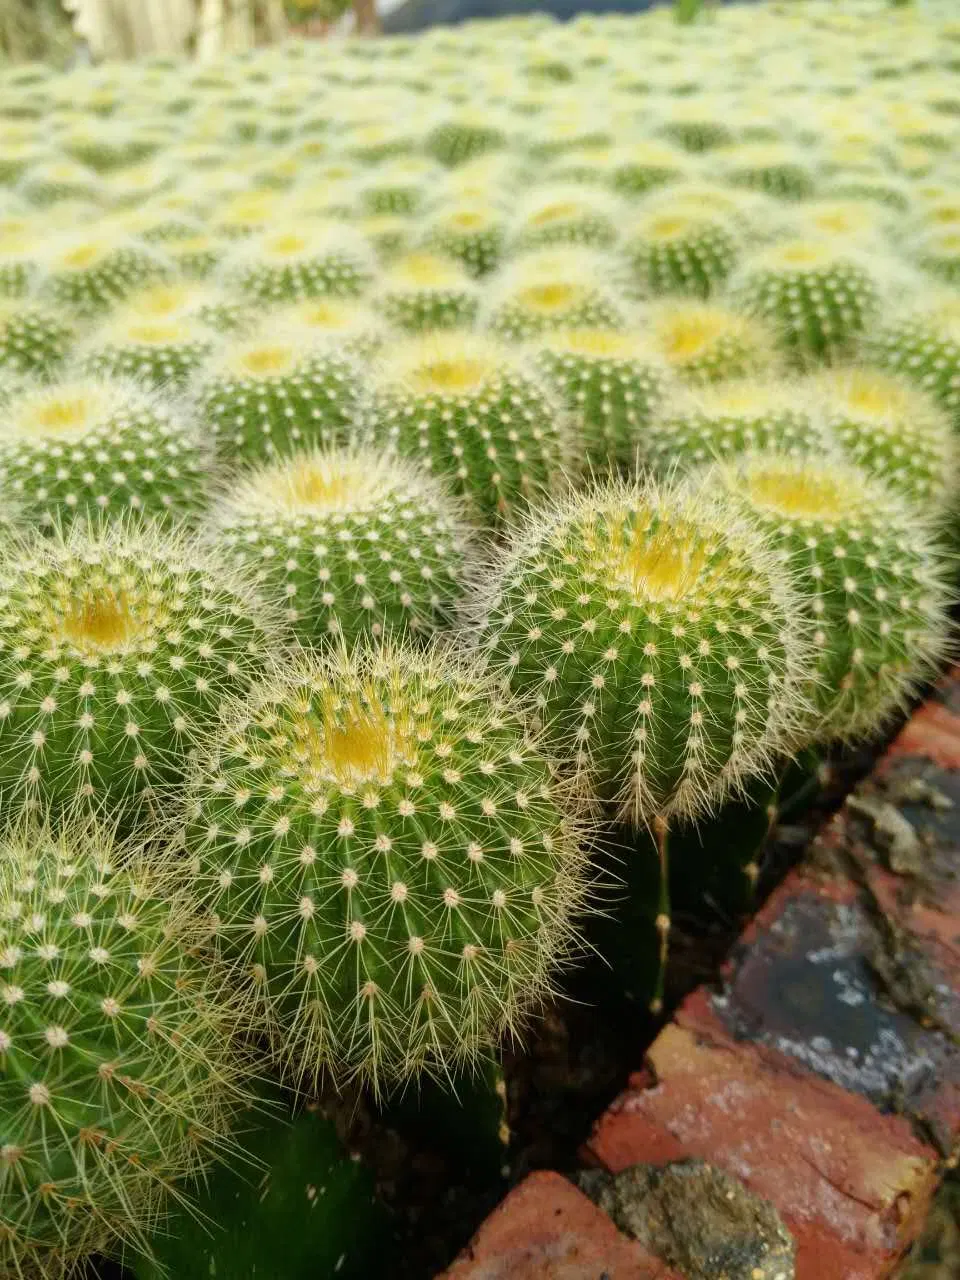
(366, 20)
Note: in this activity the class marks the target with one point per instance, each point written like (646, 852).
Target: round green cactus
(52, 181)
(33, 339)
(680, 251)
(705, 342)
(20, 252)
(611, 382)
(471, 231)
(661, 639)
(558, 214)
(728, 419)
(892, 430)
(391, 858)
(463, 137)
(155, 349)
(350, 542)
(872, 579)
(89, 274)
(819, 296)
(118, 1068)
(637, 168)
(346, 323)
(422, 291)
(773, 167)
(559, 288)
(276, 390)
(923, 345)
(464, 406)
(101, 449)
(309, 259)
(118, 650)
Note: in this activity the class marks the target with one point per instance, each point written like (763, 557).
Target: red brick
(851, 1184)
(932, 732)
(548, 1230)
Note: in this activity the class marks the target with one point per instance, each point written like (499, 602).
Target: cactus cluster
(416, 458)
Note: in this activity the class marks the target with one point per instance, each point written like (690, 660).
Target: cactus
(117, 651)
(559, 214)
(354, 327)
(422, 291)
(611, 382)
(819, 295)
(49, 183)
(100, 449)
(560, 288)
(662, 641)
(937, 250)
(641, 166)
(893, 431)
(392, 855)
(89, 274)
(923, 345)
(729, 419)
(472, 232)
(278, 389)
(351, 542)
(20, 250)
(680, 251)
(304, 260)
(118, 1070)
(775, 168)
(466, 407)
(33, 339)
(706, 342)
(871, 575)
(464, 137)
(299, 1197)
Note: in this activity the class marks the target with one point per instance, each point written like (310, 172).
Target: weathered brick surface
(824, 1070)
(548, 1230)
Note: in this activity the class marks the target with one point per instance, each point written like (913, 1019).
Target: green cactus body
(560, 288)
(399, 187)
(661, 641)
(421, 291)
(923, 346)
(391, 858)
(89, 275)
(465, 407)
(818, 295)
(99, 449)
(49, 183)
(351, 543)
(697, 126)
(871, 576)
(471, 232)
(117, 653)
(611, 382)
(774, 168)
(277, 390)
(117, 1070)
(938, 251)
(307, 260)
(20, 251)
(301, 1198)
(343, 323)
(680, 252)
(558, 214)
(893, 431)
(646, 165)
(704, 342)
(720, 422)
(457, 140)
(196, 257)
(33, 339)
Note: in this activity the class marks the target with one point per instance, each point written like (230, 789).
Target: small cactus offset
(559, 214)
(661, 640)
(391, 862)
(703, 342)
(464, 406)
(924, 346)
(263, 395)
(315, 260)
(894, 431)
(100, 450)
(472, 232)
(728, 419)
(89, 274)
(118, 650)
(871, 575)
(349, 542)
(680, 251)
(611, 382)
(118, 1068)
(555, 288)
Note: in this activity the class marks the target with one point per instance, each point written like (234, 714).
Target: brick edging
(824, 1071)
